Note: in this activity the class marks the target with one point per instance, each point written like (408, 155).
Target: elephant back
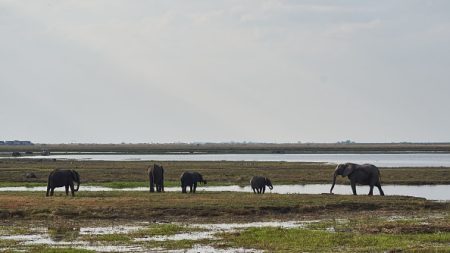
(257, 181)
(156, 170)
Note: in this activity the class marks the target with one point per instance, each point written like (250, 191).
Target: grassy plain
(204, 206)
(372, 223)
(134, 173)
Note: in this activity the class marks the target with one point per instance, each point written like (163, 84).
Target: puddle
(432, 192)
(213, 229)
(120, 229)
(194, 236)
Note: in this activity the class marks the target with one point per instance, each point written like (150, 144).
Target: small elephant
(16, 154)
(365, 174)
(259, 183)
(59, 178)
(191, 179)
(156, 177)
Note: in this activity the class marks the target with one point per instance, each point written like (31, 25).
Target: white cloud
(114, 71)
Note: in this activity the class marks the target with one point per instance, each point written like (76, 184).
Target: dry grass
(12, 172)
(208, 206)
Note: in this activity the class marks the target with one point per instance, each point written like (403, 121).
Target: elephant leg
(353, 187)
(183, 188)
(72, 190)
(162, 184)
(152, 183)
(263, 189)
(190, 188)
(48, 190)
(371, 190)
(195, 187)
(379, 189)
(254, 191)
(158, 187)
(51, 191)
(67, 190)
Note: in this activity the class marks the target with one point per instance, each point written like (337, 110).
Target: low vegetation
(201, 206)
(134, 174)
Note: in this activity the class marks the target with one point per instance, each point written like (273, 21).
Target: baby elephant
(259, 184)
(191, 179)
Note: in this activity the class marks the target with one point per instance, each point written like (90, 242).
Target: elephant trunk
(270, 187)
(334, 182)
(78, 186)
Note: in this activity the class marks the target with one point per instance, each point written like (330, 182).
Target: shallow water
(382, 160)
(432, 192)
(41, 236)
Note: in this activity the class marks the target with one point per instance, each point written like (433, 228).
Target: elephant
(156, 177)
(365, 174)
(16, 154)
(59, 178)
(259, 183)
(191, 179)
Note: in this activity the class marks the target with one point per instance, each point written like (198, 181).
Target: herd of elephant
(364, 174)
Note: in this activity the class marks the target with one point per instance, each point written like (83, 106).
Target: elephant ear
(75, 175)
(348, 169)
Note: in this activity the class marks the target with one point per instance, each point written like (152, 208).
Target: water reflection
(432, 192)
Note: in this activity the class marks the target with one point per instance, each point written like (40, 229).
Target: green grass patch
(292, 240)
(134, 184)
(48, 249)
(13, 230)
(22, 184)
(173, 245)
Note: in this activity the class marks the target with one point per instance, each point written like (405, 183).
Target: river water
(432, 192)
(382, 160)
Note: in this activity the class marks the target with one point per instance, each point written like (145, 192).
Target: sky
(142, 71)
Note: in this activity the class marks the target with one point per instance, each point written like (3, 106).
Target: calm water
(432, 192)
(382, 160)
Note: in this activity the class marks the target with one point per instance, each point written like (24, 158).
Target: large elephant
(156, 177)
(191, 179)
(259, 183)
(365, 174)
(59, 178)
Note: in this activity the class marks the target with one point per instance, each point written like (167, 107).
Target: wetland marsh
(212, 221)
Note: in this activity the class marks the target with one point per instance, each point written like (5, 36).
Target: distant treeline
(16, 142)
(224, 148)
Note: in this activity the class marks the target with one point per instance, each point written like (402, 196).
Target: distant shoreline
(235, 148)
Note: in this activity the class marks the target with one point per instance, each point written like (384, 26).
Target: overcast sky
(272, 71)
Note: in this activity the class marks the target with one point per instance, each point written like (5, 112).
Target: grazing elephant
(59, 178)
(191, 179)
(156, 177)
(259, 184)
(365, 174)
